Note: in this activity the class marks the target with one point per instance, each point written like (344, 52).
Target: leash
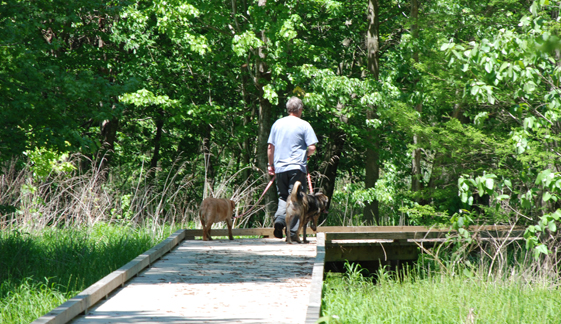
(269, 186)
(259, 200)
(309, 180)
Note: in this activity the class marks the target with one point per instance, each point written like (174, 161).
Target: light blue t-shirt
(291, 137)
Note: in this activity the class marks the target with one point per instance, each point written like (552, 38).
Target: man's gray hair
(294, 104)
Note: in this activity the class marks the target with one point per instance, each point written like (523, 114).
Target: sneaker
(278, 230)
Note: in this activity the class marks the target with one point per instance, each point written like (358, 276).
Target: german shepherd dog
(215, 210)
(307, 207)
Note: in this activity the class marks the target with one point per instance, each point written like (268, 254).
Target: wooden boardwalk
(241, 281)
(182, 280)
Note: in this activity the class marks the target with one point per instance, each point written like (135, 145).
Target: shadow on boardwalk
(231, 262)
(142, 317)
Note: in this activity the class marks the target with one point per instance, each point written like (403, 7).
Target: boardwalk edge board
(99, 290)
(372, 231)
(314, 305)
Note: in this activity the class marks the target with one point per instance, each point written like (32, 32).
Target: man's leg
(279, 221)
(295, 175)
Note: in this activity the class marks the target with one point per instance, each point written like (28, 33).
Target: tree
(371, 211)
(56, 80)
(416, 173)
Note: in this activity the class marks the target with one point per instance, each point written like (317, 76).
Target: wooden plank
(132, 268)
(90, 296)
(102, 288)
(345, 243)
(314, 305)
(501, 234)
(381, 252)
(498, 228)
(362, 229)
(165, 246)
(268, 232)
(410, 233)
(64, 313)
(384, 235)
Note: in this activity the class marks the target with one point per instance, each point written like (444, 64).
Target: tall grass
(40, 270)
(464, 280)
(88, 194)
(28, 299)
(438, 298)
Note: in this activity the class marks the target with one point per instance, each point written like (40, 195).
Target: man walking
(291, 142)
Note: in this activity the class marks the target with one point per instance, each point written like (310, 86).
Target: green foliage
(43, 162)
(473, 86)
(547, 184)
(246, 42)
(53, 66)
(349, 199)
(144, 97)
(420, 215)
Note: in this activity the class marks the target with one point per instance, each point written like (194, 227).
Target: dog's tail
(294, 194)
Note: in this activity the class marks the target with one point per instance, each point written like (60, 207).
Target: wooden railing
(370, 232)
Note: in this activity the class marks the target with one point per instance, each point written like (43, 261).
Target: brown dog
(306, 208)
(214, 210)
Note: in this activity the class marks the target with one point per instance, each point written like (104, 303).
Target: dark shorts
(285, 181)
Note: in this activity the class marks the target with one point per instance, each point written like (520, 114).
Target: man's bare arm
(271, 159)
(311, 149)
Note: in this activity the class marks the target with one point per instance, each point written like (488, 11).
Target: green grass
(39, 271)
(28, 299)
(442, 298)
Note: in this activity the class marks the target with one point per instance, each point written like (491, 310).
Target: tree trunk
(108, 135)
(209, 166)
(262, 76)
(157, 140)
(247, 149)
(372, 39)
(332, 158)
(265, 124)
(371, 212)
(416, 174)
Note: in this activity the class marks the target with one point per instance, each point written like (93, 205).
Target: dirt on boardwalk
(241, 281)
